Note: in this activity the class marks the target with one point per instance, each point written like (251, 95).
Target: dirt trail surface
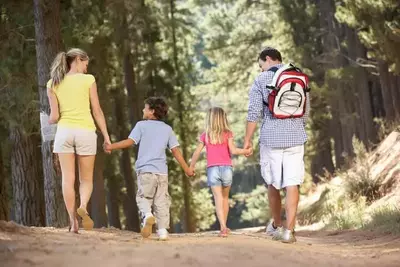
(24, 246)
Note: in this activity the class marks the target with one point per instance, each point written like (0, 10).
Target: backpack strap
(274, 69)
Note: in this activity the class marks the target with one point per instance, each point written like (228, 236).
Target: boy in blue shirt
(153, 137)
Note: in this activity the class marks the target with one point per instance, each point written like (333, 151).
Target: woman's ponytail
(58, 69)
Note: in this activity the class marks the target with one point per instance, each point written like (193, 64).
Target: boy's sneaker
(286, 236)
(272, 230)
(147, 225)
(162, 234)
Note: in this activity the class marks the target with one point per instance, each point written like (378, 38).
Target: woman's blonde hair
(216, 125)
(62, 64)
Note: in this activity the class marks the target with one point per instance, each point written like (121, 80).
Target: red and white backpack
(288, 92)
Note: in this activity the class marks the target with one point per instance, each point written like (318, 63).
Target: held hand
(248, 145)
(107, 146)
(249, 151)
(190, 172)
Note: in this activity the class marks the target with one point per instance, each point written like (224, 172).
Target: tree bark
(395, 92)
(134, 103)
(28, 195)
(98, 199)
(48, 43)
(4, 205)
(130, 205)
(333, 56)
(113, 193)
(386, 90)
(356, 50)
(189, 222)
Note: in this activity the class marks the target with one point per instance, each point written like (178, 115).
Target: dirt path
(21, 246)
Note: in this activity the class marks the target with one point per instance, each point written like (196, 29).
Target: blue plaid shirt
(276, 133)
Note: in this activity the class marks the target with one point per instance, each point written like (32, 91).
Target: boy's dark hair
(272, 53)
(159, 106)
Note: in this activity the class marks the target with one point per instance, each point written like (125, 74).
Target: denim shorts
(219, 176)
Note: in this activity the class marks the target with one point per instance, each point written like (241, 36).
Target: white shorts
(72, 140)
(282, 167)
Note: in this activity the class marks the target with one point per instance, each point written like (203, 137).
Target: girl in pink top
(218, 140)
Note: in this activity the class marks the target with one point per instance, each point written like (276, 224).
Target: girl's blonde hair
(216, 125)
(62, 64)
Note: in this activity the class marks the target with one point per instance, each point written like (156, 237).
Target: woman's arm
(237, 151)
(196, 155)
(98, 113)
(54, 111)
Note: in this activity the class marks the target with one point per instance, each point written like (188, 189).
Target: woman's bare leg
(67, 163)
(86, 168)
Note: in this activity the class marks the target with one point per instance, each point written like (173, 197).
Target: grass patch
(347, 214)
(385, 220)
(358, 180)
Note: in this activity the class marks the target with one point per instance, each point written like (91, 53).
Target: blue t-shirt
(153, 138)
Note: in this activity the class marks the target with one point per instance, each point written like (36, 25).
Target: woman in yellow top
(73, 98)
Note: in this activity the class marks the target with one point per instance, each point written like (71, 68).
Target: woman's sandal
(87, 222)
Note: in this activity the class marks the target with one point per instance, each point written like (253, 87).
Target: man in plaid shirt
(281, 148)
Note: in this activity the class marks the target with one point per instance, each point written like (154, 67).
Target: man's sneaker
(147, 225)
(272, 230)
(162, 234)
(286, 236)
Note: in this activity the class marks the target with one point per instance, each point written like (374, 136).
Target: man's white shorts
(282, 167)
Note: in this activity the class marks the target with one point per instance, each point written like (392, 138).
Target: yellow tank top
(73, 95)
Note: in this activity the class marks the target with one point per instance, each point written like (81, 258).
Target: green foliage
(386, 220)
(202, 200)
(18, 86)
(386, 127)
(256, 205)
(378, 23)
(347, 214)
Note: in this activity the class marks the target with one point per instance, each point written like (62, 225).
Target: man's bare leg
(275, 203)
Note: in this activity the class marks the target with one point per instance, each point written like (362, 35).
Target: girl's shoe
(223, 233)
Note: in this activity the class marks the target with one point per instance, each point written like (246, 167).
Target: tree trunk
(134, 103)
(342, 126)
(356, 50)
(98, 199)
(395, 92)
(4, 207)
(130, 205)
(113, 193)
(386, 90)
(190, 224)
(48, 43)
(378, 110)
(28, 196)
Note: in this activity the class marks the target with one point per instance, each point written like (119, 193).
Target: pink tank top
(218, 154)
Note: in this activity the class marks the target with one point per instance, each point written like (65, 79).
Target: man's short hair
(159, 106)
(273, 53)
